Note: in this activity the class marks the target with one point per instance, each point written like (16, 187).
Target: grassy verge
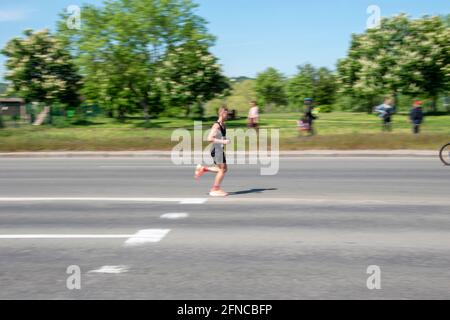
(339, 131)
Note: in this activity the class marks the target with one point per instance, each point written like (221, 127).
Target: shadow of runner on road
(251, 191)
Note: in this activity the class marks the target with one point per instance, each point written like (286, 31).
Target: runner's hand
(226, 141)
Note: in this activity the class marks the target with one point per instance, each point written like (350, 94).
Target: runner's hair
(222, 109)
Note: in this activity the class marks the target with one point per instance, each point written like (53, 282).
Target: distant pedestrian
(416, 116)
(385, 111)
(307, 122)
(253, 115)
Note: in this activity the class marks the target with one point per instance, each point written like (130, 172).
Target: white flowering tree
(190, 75)
(41, 70)
(403, 56)
(425, 62)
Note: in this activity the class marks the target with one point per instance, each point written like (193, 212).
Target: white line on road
(66, 236)
(105, 199)
(111, 269)
(194, 201)
(329, 201)
(147, 236)
(141, 237)
(139, 167)
(174, 216)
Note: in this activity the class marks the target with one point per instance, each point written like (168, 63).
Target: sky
(252, 35)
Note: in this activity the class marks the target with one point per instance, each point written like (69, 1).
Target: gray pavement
(309, 232)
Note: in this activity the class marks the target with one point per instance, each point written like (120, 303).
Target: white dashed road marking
(111, 269)
(174, 216)
(147, 236)
(194, 201)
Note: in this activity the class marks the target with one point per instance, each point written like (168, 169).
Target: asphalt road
(309, 232)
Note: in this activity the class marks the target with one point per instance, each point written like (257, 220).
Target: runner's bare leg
(222, 169)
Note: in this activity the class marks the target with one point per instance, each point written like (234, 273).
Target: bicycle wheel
(445, 154)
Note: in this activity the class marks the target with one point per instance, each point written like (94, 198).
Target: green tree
(309, 82)
(189, 76)
(425, 61)
(446, 20)
(326, 87)
(302, 85)
(371, 65)
(241, 94)
(40, 69)
(3, 87)
(270, 88)
(122, 45)
(403, 56)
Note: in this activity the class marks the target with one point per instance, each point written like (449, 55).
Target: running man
(217, 136)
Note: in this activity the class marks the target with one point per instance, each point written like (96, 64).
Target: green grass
(341, 131)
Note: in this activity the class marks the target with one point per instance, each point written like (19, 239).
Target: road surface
(144, 229)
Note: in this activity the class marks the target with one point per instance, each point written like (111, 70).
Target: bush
(326, 108)
(197, 111)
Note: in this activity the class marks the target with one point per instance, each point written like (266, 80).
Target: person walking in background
(385, 111)
(218, 137)
(416, 116)
(253, 115)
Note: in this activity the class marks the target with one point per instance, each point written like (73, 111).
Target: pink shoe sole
(199, 172)
(219, 193)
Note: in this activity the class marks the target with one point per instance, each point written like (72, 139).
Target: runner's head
(223, 113)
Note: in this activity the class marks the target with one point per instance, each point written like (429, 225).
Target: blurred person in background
(385, 111)
(306, 123)
(416, 116)
(253, 115)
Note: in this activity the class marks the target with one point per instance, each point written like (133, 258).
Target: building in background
(14, 107)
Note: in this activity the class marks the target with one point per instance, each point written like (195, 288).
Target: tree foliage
(310, 82)
(270, 88)
(241, 94)
(190, 75)
(126, 49)
(39, 68)
(403, 56)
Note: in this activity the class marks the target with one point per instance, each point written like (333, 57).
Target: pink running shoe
(199, 171)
